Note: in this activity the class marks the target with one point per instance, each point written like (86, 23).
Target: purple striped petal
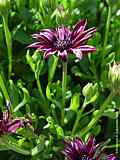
(77, 52)
(81, 41)
(62, 33)
(87, 48)
(62, 55)
(47, 54)
(43, 38)
(14, 125)
(79, 27)
(111, 157)
(90, 30)
(34, 45)
(83, 36)
(90, 143)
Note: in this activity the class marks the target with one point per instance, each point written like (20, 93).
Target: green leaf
(75, 102)
(14, 93)
(53, 92)
(39, 70)
(75, 70)
(51, 125)
(22, 37)
(52, 64)
(96, 130)
(48, 92)
(25, 100)
(111, 113)
(60, 133)
(110, 58)
(39, 148)
(20, 4)
(90, 93)
(30, 61)
(1, 99)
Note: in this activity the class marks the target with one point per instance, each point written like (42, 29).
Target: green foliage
(90, 92)
(31, 87)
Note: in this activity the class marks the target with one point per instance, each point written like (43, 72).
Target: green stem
(40, 89)
(94, 121)
(113, 146)
(64, 82)
(8, 42)
(45, 104)
(4, 90)
(54, 113)
(78, 118)
(107, 28)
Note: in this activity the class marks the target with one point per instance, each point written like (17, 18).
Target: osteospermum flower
(111, 157)
(64, 41)
(76, 149)
(9, 125)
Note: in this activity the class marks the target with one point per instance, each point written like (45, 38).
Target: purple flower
(76, 149)
(9, 125)
(111, 157)
(63, 41)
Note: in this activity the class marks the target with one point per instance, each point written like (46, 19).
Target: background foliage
(87, 80)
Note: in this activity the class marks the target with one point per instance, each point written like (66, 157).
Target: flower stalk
(79, 114)
(45, 105)
(8, 43)
(94, 121)
(40, 89)
(107, 27)
(64, 82)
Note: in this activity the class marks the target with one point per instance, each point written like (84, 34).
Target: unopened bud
(114, 76)
(4, 6)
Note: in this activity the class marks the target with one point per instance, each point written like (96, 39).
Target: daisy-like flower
(64, 41)
(76, 149)
(9, 125)
(111, 157)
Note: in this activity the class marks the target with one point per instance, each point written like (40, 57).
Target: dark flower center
(62, 44)
(84, 157)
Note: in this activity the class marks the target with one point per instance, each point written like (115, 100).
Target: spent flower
(9, 125)
(64, 41)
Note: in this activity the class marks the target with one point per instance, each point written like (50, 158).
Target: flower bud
(4, 6)
(114, 76)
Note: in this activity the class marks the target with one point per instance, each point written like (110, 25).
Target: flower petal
(48, 53)
(80, 38)
(45, 36)
(14, 125)
(111, 157)
(81, 41)
(79, 27)
(87, 48)
(90, 143)
(77, 52)
(34, 45)
(62, 55)
(62, 33)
